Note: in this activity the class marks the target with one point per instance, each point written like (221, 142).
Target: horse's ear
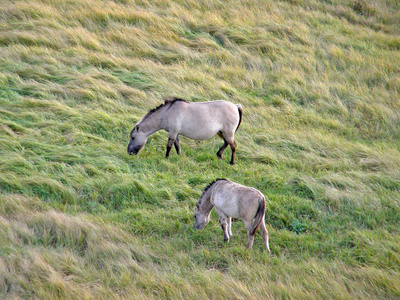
(133, 129)
(197, 205)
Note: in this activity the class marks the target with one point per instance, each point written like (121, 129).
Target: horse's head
(137, 141)
(200, 218)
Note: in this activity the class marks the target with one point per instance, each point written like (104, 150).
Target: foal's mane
(209, 186)
(166, 102)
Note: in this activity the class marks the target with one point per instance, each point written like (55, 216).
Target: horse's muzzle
(131, 150)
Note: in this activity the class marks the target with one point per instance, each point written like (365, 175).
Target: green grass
(319, 84)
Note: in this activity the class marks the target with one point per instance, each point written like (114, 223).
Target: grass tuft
(318, 82)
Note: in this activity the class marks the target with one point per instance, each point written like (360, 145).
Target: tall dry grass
(319, 83)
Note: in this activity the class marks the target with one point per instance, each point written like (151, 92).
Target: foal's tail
(259, 215)
(240, 109)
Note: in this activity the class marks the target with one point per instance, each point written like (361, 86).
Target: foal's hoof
(232, 163)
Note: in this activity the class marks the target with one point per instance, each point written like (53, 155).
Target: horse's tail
(259, 215)
(240, 109)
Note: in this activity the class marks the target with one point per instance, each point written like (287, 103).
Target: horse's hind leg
(250, 237)
(264, 234)
(228, 140)
(222, 149)
(233, 148)
(177, 146)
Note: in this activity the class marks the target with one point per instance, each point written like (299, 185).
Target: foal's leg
(250, 237)
(264, 234)
(230, 226)
(177, 146)
(224, 225)
(223, 218)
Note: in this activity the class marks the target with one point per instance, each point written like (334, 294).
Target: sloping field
(319, 82)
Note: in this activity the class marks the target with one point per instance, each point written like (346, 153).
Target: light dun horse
(233, 200)
(195, 120)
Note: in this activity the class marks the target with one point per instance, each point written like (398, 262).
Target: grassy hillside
(319, 82)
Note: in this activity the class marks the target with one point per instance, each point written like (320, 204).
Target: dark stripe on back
(166, 102)
(210, 185)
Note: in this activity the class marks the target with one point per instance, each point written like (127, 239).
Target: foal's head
(137, 141)
(200, 218)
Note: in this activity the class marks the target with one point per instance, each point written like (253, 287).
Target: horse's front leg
(171, 141)
(177, 146)
(224, 225)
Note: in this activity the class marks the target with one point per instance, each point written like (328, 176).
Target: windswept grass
(319, 83)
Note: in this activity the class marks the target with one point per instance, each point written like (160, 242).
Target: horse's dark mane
(173, 100)
(166, 102)
(209, 186)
